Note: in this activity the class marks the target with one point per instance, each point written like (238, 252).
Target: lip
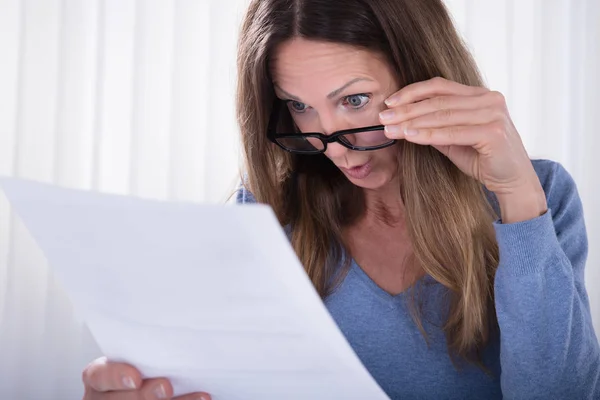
(359, 171)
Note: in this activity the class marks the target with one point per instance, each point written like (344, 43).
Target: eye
(296, 106)
(356, 101)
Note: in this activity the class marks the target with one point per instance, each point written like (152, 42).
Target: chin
(375, 180)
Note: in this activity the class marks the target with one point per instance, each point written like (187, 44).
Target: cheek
(387, 159)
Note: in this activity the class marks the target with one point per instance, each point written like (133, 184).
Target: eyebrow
(341, 89)
(330, 95)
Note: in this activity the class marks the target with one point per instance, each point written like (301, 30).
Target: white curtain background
(136, 97)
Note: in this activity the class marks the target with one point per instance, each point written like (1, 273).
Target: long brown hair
(448, 217)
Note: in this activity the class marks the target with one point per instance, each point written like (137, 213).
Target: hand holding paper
(210, 296)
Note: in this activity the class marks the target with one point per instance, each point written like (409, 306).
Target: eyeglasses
(360, 139)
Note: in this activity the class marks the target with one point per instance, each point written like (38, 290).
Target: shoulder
(243, 195)
(559, 186)
(564, 205)
(553, 176)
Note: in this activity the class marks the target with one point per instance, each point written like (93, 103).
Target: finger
(456, 152)
(405, 112)
(194, 396)
(445, 150)
(445, 118)
(102, 375)
(118, 395)
(156, 389)
(433, 87)
(479, 137)
(152, 389)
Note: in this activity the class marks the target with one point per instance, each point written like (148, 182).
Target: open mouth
(359, 171)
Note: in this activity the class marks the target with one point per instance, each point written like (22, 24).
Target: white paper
(210, 296)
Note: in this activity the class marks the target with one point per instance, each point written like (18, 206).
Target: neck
(384, 204)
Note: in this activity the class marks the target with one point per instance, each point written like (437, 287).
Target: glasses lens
(366, 139)
(304, 144)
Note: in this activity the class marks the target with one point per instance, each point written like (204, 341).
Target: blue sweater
(547, 348)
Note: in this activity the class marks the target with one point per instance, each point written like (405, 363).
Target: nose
(329, 125)
(336, 150)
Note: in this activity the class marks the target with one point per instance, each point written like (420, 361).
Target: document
(212, 297)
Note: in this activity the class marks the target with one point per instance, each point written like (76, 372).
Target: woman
(453, 264)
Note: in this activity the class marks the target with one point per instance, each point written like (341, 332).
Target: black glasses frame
(325, 139)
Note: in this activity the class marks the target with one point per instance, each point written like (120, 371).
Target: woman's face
(334, 87)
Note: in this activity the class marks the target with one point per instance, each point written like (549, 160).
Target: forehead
(299, 61)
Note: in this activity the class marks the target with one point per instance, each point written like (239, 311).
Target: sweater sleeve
(548, 348)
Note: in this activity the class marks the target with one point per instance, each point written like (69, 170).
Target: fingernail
(386, 115)
(393, 130)
(203, 397)
(128, 382)
(410, 132)
(160, 392)
(392, 101)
